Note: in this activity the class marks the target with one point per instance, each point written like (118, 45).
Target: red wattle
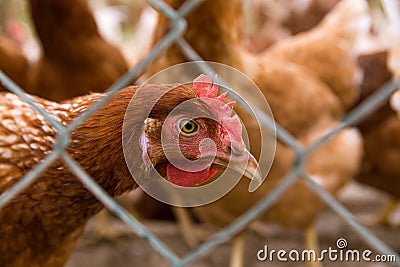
(188, 179)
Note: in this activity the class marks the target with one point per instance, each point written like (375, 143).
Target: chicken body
(40, 225)
(299, 100)
(75, 58)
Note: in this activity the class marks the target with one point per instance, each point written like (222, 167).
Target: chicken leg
(237, 253)
(186, 226)
(311, 243)
(103, 230)
(383, 216)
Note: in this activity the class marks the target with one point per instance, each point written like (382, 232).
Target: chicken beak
(243, 162)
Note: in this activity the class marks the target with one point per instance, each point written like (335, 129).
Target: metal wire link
(178, 27)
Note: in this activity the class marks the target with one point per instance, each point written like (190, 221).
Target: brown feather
(40, 225)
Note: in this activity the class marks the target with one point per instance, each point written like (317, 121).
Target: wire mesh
(175, 35)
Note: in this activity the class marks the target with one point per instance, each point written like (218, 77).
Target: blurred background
(132, 26)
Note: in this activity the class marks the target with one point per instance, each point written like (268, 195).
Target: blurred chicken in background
(75, 59)
(331, 44)
(306, 99)
(381, 130)
(266, 22)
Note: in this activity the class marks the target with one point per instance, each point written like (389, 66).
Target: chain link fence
(175, 35)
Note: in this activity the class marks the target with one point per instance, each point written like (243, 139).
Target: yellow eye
(188, 127)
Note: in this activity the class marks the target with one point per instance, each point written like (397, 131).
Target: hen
(39, 226)
(300, 102)
(75, 58)
(381, 129)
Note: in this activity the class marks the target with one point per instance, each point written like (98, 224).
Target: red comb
(205, 88)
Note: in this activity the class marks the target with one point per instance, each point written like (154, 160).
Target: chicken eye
(188, 127)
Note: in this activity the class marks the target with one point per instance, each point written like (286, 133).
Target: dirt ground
(127, 249)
